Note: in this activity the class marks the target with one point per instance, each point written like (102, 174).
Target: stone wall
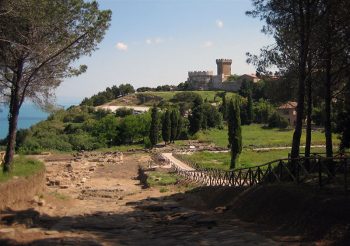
(20, 190)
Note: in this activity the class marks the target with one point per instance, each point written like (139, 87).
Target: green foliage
(108, 95)
(262, 110)
(318, 116)
(277, 121)
(134, 128)
(154, 129)
(100, 129)
(174, 122)
(195, 119)
(211, 116)
(234, 132)
(84, 141)
(122, 112)
(250, 112)
(188, 97)
(105, 131)
(166, 126)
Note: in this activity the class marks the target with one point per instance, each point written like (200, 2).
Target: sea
(29, 115)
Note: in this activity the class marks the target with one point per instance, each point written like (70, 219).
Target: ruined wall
(20, 190)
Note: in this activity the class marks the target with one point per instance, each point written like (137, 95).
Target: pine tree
(154, 129)
(234, 132)
(166, 127)
(174, 118)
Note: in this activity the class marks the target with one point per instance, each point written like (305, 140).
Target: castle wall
(206, 80)
(200, 80)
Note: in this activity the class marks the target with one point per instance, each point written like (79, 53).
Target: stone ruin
(75, 171)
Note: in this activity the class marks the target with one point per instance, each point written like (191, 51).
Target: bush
(262, 111)
(122, 112)
(277, 121)
(147, 143)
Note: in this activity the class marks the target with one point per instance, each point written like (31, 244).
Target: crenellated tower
(224, 67)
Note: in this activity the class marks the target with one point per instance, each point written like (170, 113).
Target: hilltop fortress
(206, 80)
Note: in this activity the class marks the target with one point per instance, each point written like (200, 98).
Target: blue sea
(29, 115)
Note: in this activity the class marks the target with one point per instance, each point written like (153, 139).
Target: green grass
(22, 167)
(164, 95)
(256, 136)
(247, 158)
(122, 148)
(161, 179)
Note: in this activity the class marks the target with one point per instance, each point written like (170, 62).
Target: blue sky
(154, 42)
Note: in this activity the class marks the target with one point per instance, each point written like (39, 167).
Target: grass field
(22, 167)
(247, 158)
(256, 135)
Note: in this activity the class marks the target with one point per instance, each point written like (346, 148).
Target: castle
(206, 80)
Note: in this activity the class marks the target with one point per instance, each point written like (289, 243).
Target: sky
(156, 42)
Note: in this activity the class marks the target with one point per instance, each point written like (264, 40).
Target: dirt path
(104, 204)
(177, 162)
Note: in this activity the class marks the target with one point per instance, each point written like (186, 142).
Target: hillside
(150, 98)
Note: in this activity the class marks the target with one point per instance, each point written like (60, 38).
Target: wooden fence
(317, 170)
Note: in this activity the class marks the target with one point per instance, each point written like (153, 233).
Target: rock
(36, 199)
(64, 186)
(83, 180)
(51, 232)
(41, 202)
(7, 232)
(69, 167)
(220, 209)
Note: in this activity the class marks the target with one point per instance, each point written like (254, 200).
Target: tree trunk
(328, 101)
(15, 104)
(11, 139)
(303, 52)
(328, 82)
(309, 110)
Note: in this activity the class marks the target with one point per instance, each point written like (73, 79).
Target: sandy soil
(96, 199)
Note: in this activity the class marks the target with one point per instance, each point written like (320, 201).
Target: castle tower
(224, 67)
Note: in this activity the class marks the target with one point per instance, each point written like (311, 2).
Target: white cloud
(219, 23)
(207, 44)
(156, 40)
(121, 46)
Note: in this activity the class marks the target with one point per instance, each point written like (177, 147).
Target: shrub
(277, 121)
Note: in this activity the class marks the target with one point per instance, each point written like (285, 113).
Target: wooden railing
(313, 170)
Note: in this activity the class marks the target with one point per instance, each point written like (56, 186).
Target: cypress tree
(154, 129)
(166, 127)
(224, 107)
(174, 121)
(196, 119)
(179, 127)
(234, 132)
